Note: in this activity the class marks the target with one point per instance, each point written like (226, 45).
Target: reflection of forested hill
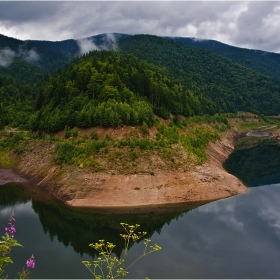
(80, 227)
(252, 164)
(12, 193)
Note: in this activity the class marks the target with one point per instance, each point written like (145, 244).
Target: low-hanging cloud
(87, 44)
(6, 57)
(251, 24)
(30, 56)
(111, 40)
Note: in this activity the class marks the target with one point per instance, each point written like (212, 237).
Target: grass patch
(253, 125)
(250, 142)
(5, 160)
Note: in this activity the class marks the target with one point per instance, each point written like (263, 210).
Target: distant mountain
(16, 56)
(230, 85)
(127, 79)
(31, 59)
(52, 55)
(267, 63)
(73, 47)
(16, 60)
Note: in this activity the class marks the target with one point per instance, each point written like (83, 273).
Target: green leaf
(5, 259)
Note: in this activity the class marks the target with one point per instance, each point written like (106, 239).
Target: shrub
(108, 267)
(94, 135)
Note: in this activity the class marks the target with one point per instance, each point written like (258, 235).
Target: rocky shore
(79, 188)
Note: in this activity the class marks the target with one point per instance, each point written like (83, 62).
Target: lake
(237, 237)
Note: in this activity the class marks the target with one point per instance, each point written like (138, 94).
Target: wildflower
(31, 262)
(11, 229)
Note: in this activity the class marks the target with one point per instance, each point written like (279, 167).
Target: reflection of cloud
(6, 57)
(7, 211)
(18, 209)
(273, 219)
(223, 214)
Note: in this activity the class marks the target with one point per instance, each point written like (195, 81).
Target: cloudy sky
(250, 24)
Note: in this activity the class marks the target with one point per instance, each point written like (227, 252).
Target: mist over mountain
(48, 85)
(51, 55)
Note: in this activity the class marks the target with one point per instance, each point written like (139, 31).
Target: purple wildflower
(31, 262)
(11, 229)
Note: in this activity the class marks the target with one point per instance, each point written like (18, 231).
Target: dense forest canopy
(111, 89)
(231, 86)
(146, 76)
(267, 63)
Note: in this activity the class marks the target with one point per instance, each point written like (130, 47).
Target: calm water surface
(238, 237)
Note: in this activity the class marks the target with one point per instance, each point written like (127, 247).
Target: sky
(247, 24)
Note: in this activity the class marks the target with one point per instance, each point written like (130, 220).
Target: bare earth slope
(80, 188)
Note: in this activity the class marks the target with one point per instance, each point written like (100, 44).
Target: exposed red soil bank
(79, 188)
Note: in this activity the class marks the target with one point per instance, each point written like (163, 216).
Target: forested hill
(145, 76)
(267, 63)
(26, 61)
(52, 55)
(112, 89)
(231, 86)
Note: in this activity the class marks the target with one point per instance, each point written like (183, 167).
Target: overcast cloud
(253, 25)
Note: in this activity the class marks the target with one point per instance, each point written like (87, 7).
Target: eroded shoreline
(79, 188)
(9, 175)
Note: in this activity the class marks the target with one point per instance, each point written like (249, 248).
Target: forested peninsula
(149, 122)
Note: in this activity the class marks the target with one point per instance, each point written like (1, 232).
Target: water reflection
(75, 228)
(238, 237)
(232, 238)
(254, 164)
(13, 193)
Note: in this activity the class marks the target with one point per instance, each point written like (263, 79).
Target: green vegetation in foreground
(180, 142)
(7, 243)
(109, 267)
(104, 266)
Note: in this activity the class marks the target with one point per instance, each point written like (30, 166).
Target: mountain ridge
(267, 63)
